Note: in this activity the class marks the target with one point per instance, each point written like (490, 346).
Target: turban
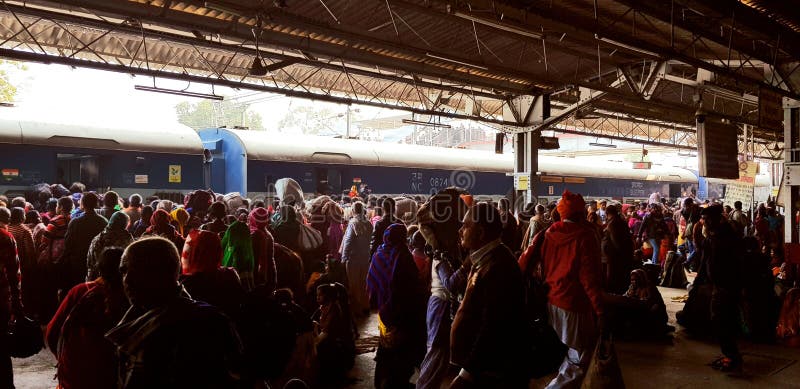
(570, 204)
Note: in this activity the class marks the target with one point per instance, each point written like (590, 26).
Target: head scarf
(202, 252)
(181, 216)
(285, 216)
(238, 248)
(570, 205)
(642, 290)
(118, 222)
(381, 270)
(258, 219)
(160, 219)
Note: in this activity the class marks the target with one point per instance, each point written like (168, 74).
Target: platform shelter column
(528, 111)
(791, 181)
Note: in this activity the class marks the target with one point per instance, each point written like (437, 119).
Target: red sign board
(642, 165)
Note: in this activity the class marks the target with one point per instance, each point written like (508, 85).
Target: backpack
(535, 288)
(54, 252)
(546, 351)
(657, 227)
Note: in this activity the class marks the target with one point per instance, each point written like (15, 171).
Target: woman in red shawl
(202, 276)
(75, 335)
(263, 248)
(160, 226)
(51, 249)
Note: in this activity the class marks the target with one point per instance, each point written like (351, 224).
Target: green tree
(310, 120)
(208, 113)
(8, 90)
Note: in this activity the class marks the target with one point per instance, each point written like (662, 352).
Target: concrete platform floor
(679, 363)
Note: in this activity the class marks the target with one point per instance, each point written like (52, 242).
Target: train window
(140, 164)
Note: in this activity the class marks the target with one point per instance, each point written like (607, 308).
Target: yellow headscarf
(181, 217)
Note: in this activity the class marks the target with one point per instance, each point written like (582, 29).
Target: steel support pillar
(791, 194)
(526, 144)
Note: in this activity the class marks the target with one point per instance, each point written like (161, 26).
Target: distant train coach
(250, 162)
(175, 159)
(127, 160)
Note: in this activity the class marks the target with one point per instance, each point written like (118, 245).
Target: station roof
(607, 61)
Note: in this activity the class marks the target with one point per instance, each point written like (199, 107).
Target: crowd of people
(131, 289)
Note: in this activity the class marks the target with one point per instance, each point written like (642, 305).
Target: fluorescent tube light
(428, 124)
(609, 145)
(178, 92)
(625, 46)
(499, 26)
(456, 61)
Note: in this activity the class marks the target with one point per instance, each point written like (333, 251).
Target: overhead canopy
(649, 62)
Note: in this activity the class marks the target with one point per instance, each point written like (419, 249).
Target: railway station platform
(679, 362)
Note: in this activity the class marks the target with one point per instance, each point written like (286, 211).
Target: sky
(61, 94)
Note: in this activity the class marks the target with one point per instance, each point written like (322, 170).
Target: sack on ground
(604, 371)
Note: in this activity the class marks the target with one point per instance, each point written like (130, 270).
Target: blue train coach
(127, 160)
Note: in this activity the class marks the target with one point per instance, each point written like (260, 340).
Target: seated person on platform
(641, 311)
(335, 338)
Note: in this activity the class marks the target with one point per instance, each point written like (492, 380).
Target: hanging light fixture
(257, 69)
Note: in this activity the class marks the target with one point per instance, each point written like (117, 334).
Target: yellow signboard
(175, 173)
(522, 183)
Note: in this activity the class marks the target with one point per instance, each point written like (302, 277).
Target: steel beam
(537, 15)
(708, 30)
(215, 45)
(187, 22)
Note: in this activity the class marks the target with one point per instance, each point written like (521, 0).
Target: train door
(328, 181)
(79, 167)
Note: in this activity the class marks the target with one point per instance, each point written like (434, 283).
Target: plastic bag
(289, 191)
(547, 350)
(233, 201)
(604, 371)
(310, 239)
